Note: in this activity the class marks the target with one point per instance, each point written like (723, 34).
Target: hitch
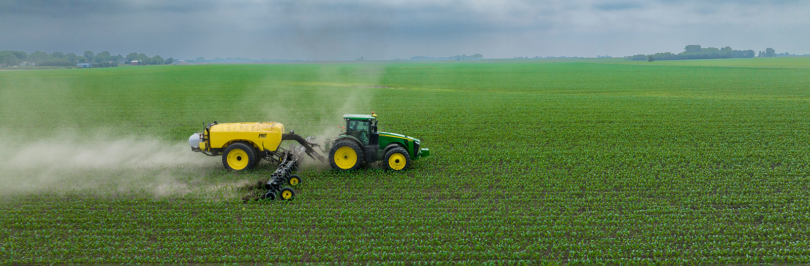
(306, 144)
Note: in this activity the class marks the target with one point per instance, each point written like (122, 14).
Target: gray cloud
(347, 29)
(608, 6)
(82, 8)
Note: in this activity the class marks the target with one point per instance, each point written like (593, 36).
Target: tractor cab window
(359, 129)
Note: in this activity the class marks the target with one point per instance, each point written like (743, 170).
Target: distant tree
(89, 55)
(131, 56)
(144, 59)
(39, 57)
(743, 54)
(169, 61)
(157, 60)
(697, 52)
(200, 60)
(650, 58)
(770, 52)
(103, 57)
(692, 48)
(117, 58)
(8, 59)
(726, 52)
(58, 55)
(105, 64)
(22, 56)
(71, 57)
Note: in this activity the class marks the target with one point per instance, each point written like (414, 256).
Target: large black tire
(257, 161)
(238, 156)
(397, 159)
(345, 155)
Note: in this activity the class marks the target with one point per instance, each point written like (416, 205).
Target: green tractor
(362, 143)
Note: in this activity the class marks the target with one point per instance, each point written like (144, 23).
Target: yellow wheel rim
(286, 194)
(397, 161)
(345, 157)
(237, 159)
(294, 181)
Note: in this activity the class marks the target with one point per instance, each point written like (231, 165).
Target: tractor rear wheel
(397, 159)
(238, 156)
(345, 155)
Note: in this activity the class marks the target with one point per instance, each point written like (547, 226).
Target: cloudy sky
(348, 29)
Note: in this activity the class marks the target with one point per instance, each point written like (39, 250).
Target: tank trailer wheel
(345, 155)
(257, 161)
(287, 193)
(397, 159)
(238, 156)
(294, 180)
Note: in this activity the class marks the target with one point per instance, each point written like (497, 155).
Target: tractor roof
(358, 117)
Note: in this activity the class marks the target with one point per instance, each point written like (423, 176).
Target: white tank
(194, 140)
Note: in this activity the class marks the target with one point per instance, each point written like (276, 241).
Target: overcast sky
(348, 29)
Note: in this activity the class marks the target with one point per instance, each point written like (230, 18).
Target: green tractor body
(363, 143)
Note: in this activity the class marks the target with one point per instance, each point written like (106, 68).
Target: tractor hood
(416, 151)
(400, 136)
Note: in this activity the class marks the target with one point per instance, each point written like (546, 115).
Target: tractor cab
(362, 127)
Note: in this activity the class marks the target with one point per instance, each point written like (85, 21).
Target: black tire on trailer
(294, 180)
(397, 159)
(345, 155)
(286, 193)
(258, 159)
(238, 156)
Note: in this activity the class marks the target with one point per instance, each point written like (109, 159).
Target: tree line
(103, 59)
(697, 52)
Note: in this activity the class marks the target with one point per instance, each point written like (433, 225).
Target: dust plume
(315, 106)
(103, 165)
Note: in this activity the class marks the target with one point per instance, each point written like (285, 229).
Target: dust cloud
(101, 165)
(315, 107)
(105, 161)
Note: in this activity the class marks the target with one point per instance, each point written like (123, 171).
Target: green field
(543, 162)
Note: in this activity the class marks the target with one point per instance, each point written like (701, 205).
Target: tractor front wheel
(345, 155)
(397, 159)
(238, 156)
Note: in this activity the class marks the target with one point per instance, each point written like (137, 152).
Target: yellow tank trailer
(262, 136)
(244, 145)
(241, 144)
